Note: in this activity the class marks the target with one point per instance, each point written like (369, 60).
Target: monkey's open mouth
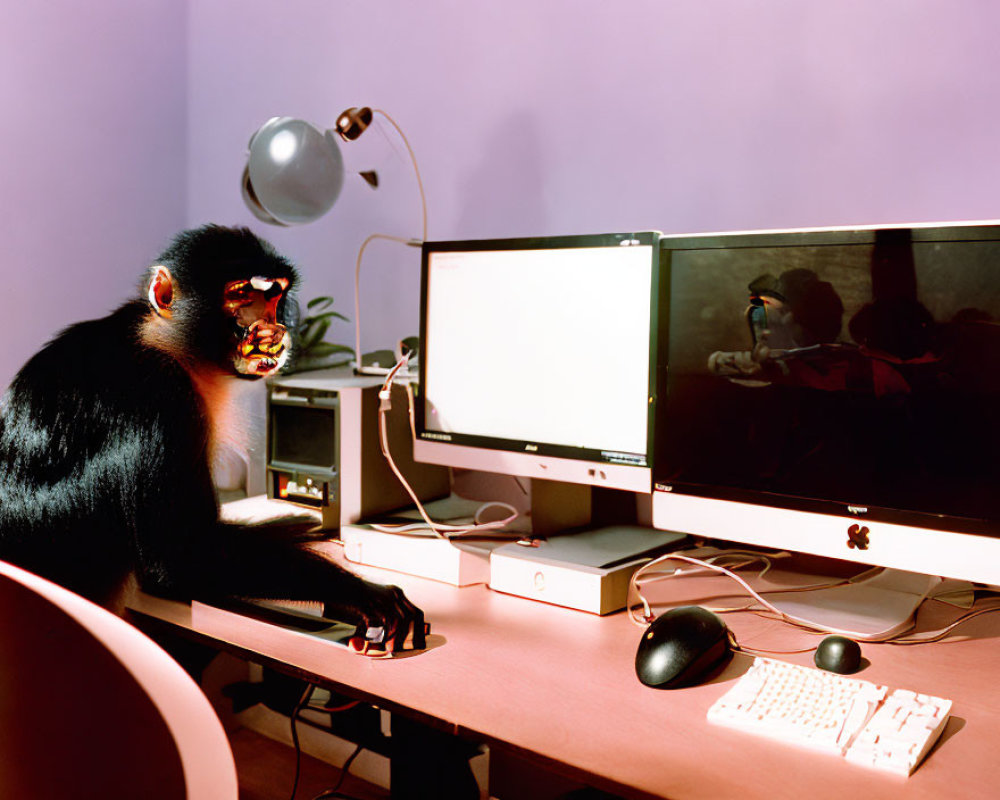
(262, 350)
(264, 364)
(257, 364)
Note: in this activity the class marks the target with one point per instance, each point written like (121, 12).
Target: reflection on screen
(858, 374)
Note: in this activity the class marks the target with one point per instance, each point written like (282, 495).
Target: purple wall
(125, 121)
(583, 116)
(92, 154)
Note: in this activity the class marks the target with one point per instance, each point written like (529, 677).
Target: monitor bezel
(540, 459)
(961, 547)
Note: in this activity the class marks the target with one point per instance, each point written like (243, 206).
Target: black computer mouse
(682, 647)
(838, 654)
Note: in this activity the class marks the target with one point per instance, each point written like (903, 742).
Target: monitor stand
(876, 605)
(556, 507)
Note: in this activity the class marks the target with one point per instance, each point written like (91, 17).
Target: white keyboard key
(864, 722)
(901, 733)
(861, 710)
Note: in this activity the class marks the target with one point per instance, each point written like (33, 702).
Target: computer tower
(323, 447)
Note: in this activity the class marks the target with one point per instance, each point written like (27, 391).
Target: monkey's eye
(253, 298)
(270, 288)
(236, 288)
(237, 294)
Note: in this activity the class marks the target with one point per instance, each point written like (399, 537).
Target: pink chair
(91, 707)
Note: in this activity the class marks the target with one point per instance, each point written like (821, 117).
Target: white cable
(439, 529)
(881, 636)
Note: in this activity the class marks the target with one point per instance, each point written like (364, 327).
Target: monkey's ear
(161, 291)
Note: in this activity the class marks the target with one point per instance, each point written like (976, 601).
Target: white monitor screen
(540, 346)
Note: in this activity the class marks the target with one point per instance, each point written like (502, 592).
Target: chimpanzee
(107, 433)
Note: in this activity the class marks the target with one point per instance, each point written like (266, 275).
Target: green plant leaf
(314, 327)
(325, 315)
(314, 334)
(410, 344)
(323, 302)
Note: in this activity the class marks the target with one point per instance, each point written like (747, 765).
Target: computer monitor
(538, 357)
(836, 392)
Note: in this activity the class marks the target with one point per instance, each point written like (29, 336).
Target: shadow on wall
(502, 197)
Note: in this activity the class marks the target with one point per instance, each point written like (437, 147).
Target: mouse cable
(439, 529)
(881, 636)
(768, 608)
(764, 651)
(930, 637)
(941, 634)
(651, 571)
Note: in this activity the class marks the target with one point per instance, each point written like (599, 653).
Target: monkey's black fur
(104, 456)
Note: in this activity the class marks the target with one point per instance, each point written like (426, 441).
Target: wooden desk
(558, 687)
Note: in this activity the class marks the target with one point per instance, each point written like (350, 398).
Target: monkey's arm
(266, 561)
(188, 552)
(263, 561)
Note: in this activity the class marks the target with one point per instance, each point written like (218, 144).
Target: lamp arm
(416, 169)
(357, 284)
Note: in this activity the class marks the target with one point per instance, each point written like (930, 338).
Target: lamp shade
(294, 172)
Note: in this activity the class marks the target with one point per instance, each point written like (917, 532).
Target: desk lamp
(294, 175)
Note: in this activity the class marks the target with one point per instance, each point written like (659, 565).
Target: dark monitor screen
(839, 372)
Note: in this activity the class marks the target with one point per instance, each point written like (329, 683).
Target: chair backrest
(91, 707)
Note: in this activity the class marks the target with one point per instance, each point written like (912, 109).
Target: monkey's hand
(387, 621)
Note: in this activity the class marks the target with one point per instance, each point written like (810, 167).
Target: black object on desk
(682, 647)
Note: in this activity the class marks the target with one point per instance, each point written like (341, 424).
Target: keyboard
(888, 729)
